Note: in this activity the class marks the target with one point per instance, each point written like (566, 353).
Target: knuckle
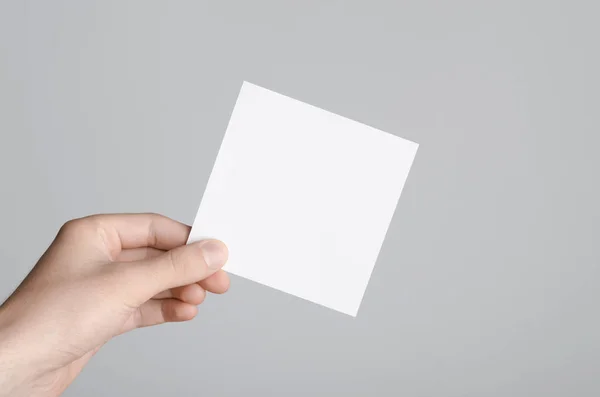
(187, 263)
(198, 258)
(75, 227)
(152, 235)
(79, 225)
(91, 228)
(173, 260)
(70, 226)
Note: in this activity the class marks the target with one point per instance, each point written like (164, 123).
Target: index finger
(126, 231)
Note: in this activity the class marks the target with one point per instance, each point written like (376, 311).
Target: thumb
(184, 265)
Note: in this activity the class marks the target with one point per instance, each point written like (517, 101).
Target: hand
(102, 276)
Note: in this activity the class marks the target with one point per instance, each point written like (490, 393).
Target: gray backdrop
(487, 284)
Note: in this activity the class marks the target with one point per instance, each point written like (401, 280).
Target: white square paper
(302, 197)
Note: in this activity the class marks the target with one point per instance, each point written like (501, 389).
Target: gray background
(487, 284)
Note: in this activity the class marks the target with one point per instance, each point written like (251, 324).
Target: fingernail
(214, 253)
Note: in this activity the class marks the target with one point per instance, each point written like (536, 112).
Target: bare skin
(102, 276)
